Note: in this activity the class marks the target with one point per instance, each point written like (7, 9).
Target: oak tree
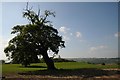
(34, 38)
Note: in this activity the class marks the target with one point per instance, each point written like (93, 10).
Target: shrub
(103, 63)
(2, 61)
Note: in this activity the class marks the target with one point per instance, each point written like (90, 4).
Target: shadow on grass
(86, 73)
(34, 66)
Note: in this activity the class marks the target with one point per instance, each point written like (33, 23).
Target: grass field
(65, 71)
(15, 68)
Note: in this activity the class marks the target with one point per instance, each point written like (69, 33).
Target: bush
(103, 63)
(118, 63)
(62, 60)
(89, 62)
(57, 60)
(2, 61)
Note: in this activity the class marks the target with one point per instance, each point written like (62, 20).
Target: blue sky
(90, 29)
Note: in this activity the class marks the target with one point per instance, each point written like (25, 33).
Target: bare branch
(27, 6)
(38, 12)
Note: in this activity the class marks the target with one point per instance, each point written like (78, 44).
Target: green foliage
(33, 39)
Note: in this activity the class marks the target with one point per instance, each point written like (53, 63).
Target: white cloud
(3, 44)
(93, 49)
(63, 29)
(65, 32)
(66, 38)
(78, 34)
(71, 34)
(117, 34)
(102, 47)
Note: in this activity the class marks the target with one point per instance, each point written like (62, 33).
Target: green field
(15, 68)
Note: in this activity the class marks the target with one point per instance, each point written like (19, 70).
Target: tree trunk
(48, 61)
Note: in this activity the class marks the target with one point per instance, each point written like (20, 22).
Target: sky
(89, 29)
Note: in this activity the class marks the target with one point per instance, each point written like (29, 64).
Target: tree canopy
(34, 38)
